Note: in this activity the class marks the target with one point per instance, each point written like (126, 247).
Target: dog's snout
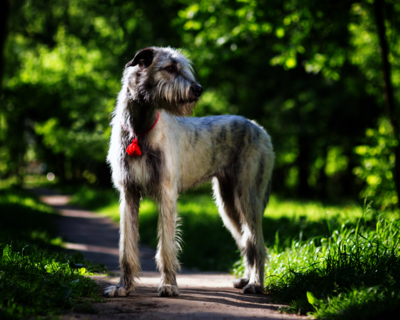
(197, 90)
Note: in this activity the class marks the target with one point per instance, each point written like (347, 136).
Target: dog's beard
(175, 97)
(176, 108)
(172, 96)
(179, 108)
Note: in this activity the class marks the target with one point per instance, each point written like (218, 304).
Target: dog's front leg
(167, 249)
(128, 243)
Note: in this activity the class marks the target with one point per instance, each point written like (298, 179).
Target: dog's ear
(143, 58)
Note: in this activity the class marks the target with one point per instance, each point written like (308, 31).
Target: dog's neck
(141, 116)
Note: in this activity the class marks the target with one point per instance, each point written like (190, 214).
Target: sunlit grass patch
(352, 274)
(313, 210)
(35, 282)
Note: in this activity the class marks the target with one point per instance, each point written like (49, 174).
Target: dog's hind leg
(168, 246)
(128, 243)
(223, 187)
(253, 252)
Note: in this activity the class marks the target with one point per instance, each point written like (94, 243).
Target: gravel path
(203, 295)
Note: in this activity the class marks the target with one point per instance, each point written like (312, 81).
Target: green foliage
(36, 276)
(364, 38)
(291, 24)
(64, 62)
(34, 282)
(377, 162)
(336, 43)
(353, 274)
(307, 70)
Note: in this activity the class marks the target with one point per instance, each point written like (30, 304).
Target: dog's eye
(170, 69)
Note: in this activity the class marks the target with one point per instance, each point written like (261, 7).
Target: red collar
(151, 128)
(142, 134)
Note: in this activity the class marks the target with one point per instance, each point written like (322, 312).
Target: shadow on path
(95, 236)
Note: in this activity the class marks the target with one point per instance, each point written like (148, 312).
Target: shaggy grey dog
(177, 153)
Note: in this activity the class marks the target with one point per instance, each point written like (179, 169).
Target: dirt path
(202, 295)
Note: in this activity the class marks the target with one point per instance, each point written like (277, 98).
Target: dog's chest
(138, 169)
(146, 170)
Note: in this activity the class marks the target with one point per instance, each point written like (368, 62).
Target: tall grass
(353, 274)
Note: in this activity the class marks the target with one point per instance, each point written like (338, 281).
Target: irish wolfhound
(156, 151)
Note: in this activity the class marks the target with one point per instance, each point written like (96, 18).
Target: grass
(37, 278)
(202, 226)
(331, 262)
(353, 274)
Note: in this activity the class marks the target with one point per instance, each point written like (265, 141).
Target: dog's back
(216, 144)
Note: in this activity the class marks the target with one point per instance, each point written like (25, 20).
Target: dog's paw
(115, 291)
(253, 288)
(240, 283)
(168, 290)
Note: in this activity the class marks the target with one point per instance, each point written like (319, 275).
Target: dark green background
(309, 71)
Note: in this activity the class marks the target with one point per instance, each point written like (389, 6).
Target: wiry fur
(180, 153)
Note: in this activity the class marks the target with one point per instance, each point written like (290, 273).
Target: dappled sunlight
(90, 248)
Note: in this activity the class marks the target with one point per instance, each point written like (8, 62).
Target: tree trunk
(388, 89)
(4, 12)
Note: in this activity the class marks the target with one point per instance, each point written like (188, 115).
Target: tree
(288, 65)
(309, 71)
(388, 89)
(64, 64)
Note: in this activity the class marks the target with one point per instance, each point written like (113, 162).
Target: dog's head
(163, 77)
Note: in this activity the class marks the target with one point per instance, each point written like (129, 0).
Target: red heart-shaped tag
(133, 149)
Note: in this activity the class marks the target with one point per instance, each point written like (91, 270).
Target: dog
(155, 150)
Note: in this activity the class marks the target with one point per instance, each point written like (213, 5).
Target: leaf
(6, 251)
(312, 299)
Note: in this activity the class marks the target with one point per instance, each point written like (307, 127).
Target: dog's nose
(197, 90)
